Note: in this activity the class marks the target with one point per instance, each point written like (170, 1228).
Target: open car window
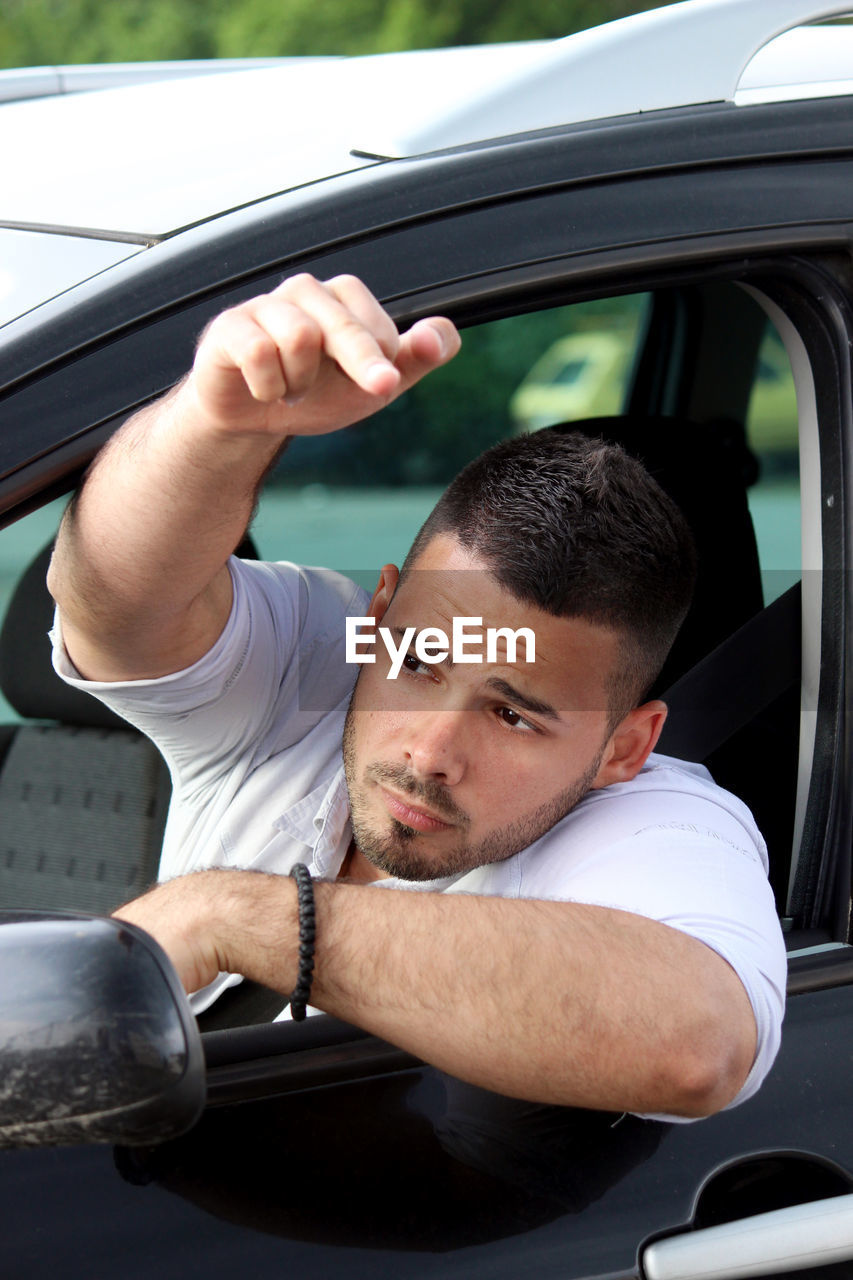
(628, 368)
(355, 500)
(20, 543)
(772, 434)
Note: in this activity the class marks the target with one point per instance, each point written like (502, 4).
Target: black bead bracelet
(307, 931)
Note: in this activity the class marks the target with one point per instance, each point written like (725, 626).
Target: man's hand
(309, 358)
(204, 922)
(176, 915)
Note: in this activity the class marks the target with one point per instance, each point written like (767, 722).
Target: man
(589, 930)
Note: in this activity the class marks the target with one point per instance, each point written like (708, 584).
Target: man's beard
(393, 850)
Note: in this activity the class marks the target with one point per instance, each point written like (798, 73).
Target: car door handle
(805, 1235)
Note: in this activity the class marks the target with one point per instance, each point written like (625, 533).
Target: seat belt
(735, 682)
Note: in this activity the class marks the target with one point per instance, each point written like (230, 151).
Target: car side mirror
(97, 1039)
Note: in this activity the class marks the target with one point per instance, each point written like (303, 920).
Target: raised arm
(139, 570)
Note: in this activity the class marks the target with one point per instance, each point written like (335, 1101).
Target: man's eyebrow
(523, 700)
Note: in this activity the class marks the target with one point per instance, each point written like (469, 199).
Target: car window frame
(799, 283)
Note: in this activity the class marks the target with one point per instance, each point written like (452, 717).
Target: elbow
(57, 579)
(706, 1082)
(54, 578)
(712, 1054)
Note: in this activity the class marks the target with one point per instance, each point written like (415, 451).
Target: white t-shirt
(252, 737)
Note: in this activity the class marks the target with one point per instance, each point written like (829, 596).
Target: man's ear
(630, 744)
(385, 588)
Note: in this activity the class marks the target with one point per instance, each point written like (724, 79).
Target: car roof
(144, 160)
(149, 159)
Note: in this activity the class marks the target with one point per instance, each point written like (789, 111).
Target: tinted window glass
(35, 266)
(20, 543)
(774, 501)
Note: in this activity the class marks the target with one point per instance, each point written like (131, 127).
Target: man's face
(451, 765)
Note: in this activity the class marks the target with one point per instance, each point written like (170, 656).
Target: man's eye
(413, 663)
(512, 718)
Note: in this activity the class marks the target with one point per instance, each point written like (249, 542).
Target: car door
(324, 1150)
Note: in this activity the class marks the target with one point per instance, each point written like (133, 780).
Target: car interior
(705, 395)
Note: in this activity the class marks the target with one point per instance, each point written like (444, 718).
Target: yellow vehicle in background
(588, 375)
(583, 375)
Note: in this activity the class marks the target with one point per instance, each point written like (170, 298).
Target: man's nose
(436, 746)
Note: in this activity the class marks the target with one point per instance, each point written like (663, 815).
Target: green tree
(267, 28)
(421, 24)
(46, 32)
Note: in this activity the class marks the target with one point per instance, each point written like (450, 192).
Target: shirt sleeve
(277, 668)
(721, 897)
(705, 877)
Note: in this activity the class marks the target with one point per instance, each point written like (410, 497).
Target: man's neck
(357, 869)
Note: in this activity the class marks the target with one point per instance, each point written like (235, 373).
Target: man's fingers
(237, 343)
(357, 334)
(274, 345)
(426, 346)
(353, 294)
(331, 345)
(298, 340)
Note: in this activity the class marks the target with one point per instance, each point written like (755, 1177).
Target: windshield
(37, 265)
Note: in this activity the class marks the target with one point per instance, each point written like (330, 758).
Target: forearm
(138, 570)
(550, 1001)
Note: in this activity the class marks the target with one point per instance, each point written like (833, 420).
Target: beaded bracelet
(307, 929)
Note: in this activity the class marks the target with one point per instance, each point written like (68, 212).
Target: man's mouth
(403, 811)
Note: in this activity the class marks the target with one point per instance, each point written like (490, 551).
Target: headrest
(27, 677)
(706, 468)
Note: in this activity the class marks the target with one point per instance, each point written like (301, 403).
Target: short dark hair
(579, 528)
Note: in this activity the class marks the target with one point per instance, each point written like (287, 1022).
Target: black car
(710, 240)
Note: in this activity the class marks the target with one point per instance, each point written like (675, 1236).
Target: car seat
(83, 797)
